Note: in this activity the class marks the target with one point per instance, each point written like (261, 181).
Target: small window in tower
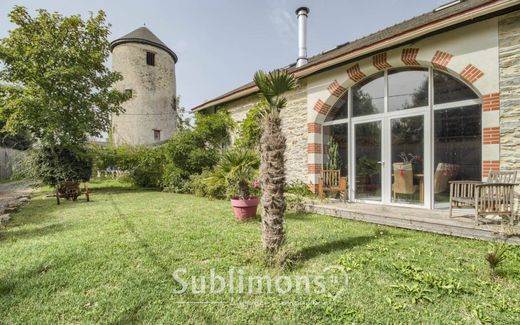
(157, 135)
(128, 92)
(150, 58)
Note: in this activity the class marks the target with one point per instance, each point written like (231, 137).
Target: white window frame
(385, 118)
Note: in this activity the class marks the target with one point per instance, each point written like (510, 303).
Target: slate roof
(144, 36)
(387, 33)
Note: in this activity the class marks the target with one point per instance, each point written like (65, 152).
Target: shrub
(251, 128)
(60, 164)
(200, 187)
(143, 164)
(235, 172)
(298, 188)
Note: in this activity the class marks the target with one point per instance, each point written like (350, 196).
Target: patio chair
(331, 181)
(502, 176)
(485, 198)
(403, 179)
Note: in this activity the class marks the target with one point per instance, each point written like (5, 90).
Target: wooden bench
(496, 197)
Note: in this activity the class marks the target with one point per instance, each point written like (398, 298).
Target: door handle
(381, 162)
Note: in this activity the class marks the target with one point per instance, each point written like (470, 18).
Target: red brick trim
(336, 89)
(491, 135)
(321, 107)
(491, 102)
(354, 73)
(441, 59)
(313, 127)
(313, 168)
(313, 148)
(409, 56)
(379, 61)
(471, 73)
(489, 165)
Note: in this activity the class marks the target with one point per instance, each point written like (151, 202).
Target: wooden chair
(403, 179)
(502, 176)
(485, 198)
(331, 181)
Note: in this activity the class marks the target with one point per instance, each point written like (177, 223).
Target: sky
(221, 43)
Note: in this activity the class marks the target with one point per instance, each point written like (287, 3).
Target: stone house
(436, 96)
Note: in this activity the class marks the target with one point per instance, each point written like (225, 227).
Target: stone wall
(153, 92)
(509, 53)
(294, 125)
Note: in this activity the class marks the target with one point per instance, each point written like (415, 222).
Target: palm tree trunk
(272, 181)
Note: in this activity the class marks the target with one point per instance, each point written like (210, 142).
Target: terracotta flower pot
(245, 209)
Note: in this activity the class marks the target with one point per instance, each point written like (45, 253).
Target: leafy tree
(56, 85)
(215, 128)
(183, 116)
(272, 149)
(20, 141)
(251, 128)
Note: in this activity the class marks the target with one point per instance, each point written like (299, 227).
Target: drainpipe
(302, 13)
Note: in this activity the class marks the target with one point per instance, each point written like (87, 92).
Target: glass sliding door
(407, 155)
(368, 162)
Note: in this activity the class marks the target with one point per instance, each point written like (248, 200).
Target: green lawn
(111, 260)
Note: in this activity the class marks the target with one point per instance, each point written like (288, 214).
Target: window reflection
(458, 148)
(448, 89)
(368, 96)
(339, 110)
(407, 89)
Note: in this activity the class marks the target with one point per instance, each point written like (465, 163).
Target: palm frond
(272, 85)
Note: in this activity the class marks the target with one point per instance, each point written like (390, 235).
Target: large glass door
(407, 157)
(367, 161)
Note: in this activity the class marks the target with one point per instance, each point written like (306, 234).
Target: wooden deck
(436, 221)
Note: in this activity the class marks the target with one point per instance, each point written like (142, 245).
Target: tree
(183, 117)
(272, 149)
(56, 85)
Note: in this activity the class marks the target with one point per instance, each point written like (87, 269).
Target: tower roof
(144, 36)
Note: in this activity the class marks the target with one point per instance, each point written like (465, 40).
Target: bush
(60, 164)
(199, 187)
(143, 164)
(190, 152)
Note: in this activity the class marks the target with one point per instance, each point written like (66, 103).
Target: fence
(9, 160)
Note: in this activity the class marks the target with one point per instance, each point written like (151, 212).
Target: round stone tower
(148, 69)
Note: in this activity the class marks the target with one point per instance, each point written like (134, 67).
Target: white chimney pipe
(302, 14)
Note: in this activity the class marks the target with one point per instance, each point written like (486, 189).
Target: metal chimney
(302, 14)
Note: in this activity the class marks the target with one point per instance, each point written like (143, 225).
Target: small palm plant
(272, 86)
(235, 172)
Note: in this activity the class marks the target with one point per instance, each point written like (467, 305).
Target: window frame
(387, 116)
(150, 58)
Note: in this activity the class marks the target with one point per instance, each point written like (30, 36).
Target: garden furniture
(331, 181)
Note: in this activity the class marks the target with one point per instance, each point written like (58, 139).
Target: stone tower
(148, 69)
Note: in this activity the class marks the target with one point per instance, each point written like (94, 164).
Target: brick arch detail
(356, 73)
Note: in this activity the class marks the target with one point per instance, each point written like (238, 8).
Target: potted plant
(236, 171)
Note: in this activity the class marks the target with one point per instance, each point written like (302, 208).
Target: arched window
(401, 112)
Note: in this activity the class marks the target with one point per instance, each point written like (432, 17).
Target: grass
(111, 260)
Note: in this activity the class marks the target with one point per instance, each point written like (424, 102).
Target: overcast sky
(221, 43)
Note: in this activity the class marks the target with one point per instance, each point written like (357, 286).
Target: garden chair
(496, 197)
(332, 182)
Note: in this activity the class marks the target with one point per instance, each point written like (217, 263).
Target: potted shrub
(236, 171)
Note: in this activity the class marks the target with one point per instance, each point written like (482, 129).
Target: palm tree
(272, 148)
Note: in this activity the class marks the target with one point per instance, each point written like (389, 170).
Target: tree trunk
(272, 179)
